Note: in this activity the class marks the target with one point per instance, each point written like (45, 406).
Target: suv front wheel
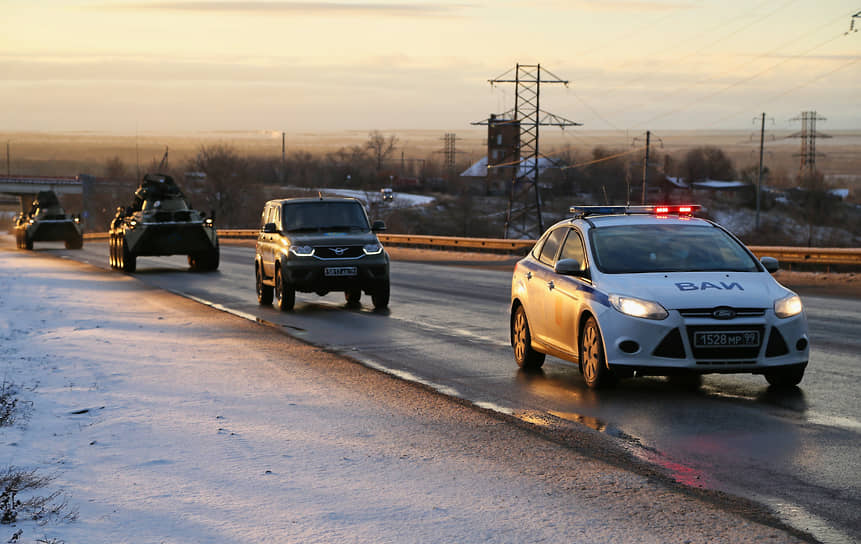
(285, 294)
(380, 295)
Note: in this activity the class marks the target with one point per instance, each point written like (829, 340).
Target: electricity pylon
(528, 114)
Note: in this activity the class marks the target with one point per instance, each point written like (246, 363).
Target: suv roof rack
(656, 209)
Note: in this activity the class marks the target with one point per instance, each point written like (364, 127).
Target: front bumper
(308, 274)
(668, 346)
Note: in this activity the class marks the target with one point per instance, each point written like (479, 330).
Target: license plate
(724, 339)
(340, 271)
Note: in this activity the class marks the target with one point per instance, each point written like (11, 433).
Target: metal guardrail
(784, 254)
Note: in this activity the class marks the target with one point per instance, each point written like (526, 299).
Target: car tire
(129, 259)
(353, 295)
(785, 377)
(264, 292)
(521, 340)
(592, 360)
(380, 296)
(285, 294)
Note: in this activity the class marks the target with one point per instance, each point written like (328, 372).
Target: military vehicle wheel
(75, 243)
(264, 292)
(285, 294)
(129, 259)
(353, 295)
(380, 296)
(204, 262)
(112, 251)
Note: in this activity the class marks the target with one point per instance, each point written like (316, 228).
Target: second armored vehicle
(47, 221)
(161, 222)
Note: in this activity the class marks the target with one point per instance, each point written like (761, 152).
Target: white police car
(652, 290)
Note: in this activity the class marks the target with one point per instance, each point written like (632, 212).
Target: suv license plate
(732, 339)
(340, 271)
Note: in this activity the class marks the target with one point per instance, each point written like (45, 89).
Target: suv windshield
(324, 216)
(631, 249)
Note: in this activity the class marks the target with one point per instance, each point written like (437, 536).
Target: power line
(737, 83)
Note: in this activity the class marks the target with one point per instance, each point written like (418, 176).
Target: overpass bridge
(25, 188)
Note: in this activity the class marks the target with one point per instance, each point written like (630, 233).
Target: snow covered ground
(161, 420)
(400, 200)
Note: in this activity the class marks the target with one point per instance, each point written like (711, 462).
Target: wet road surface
(795, 451)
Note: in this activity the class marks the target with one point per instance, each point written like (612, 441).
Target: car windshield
(632, 249)
(324, 216)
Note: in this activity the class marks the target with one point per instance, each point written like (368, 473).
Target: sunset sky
(187, 65)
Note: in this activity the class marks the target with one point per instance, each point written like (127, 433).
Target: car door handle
(550, 285)
(529, 275)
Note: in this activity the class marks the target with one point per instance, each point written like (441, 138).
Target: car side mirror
(569, 267)
(270, 228)
(771, 264)
(378, 226)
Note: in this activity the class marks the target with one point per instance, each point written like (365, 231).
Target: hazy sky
(188, 65)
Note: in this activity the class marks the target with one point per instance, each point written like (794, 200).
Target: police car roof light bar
(676, 209)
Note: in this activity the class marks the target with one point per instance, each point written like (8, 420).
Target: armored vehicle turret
(161, 222)
(47, 221)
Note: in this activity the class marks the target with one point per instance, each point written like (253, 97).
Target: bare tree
(229, 193)
(380, 147)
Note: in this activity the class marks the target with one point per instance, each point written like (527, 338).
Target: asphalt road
(795, 451)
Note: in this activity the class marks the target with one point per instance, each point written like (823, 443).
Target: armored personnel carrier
(47, 221)
(161, 222)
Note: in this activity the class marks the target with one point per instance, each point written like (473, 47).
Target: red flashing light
(686, 209)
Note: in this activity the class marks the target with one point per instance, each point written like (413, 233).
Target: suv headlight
(788, 306)
(302, 251)
(372, 249)
(638, 307)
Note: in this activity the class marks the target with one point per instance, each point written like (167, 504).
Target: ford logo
(723, 313)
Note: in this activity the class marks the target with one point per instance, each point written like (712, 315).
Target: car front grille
(338, 252)
(709, 312)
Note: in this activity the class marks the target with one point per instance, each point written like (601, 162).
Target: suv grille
(338, 252)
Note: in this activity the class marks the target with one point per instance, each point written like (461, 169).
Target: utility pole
(528, 116)
(759, 177)
(283, 156)
(8, 162)
(646, 166)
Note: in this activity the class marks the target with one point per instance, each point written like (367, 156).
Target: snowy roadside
(161, 420)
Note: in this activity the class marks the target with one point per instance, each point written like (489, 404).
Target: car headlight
(788, 306)
(637, 307)
(372, 249)
(302, 251)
